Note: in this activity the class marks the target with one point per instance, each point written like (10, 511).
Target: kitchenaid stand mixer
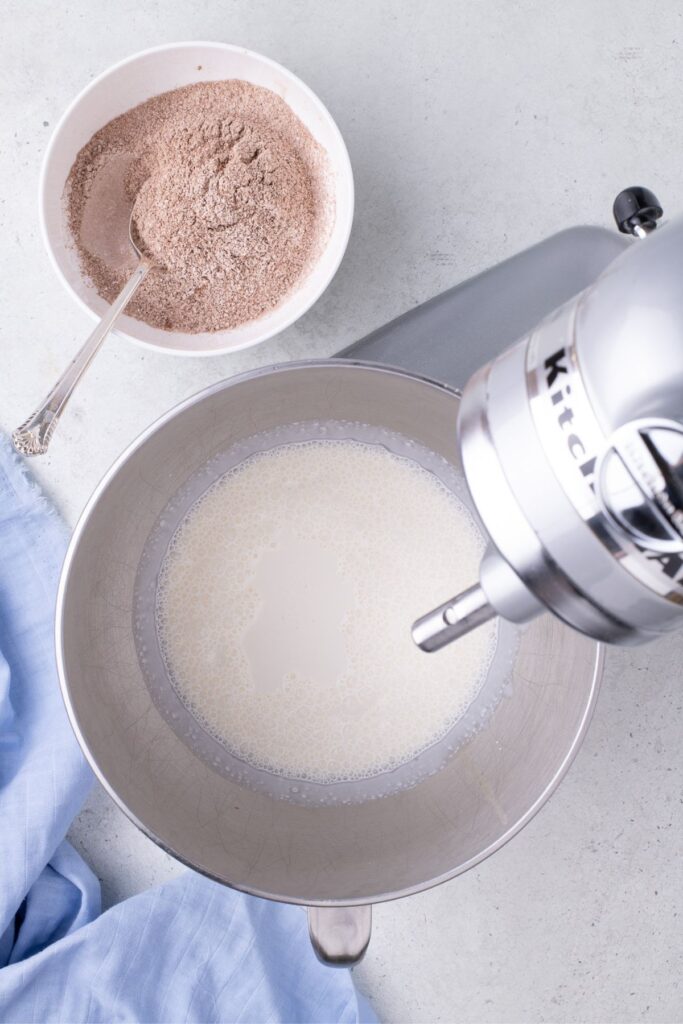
(336, 859)
(572, 447)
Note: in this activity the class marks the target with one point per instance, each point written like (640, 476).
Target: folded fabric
(190, 950)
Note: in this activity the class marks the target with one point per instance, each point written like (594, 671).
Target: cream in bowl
(241, 190)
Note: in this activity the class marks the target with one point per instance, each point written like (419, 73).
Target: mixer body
(572, 447)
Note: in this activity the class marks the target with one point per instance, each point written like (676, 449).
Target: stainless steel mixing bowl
(338, 859)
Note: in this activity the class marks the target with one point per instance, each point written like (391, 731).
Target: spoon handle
(33, 436)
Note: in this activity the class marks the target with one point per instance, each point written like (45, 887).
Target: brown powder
(231, 201)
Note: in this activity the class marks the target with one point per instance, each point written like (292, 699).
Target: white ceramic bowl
(137, 79)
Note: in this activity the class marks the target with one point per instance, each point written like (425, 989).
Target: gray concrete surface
(474, 130)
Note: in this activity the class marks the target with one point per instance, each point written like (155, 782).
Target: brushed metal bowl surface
(314, 855)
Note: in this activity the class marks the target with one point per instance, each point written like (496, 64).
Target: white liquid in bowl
(284, 607)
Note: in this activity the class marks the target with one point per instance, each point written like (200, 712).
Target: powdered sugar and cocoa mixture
(231, 200)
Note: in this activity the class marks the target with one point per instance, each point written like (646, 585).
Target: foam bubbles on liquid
(379, 540)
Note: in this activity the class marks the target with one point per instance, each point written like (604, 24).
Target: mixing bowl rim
(79, 529)
(342, 164)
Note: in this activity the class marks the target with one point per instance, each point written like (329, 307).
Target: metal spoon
(34, 436)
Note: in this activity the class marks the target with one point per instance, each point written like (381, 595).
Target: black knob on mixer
(636, 210)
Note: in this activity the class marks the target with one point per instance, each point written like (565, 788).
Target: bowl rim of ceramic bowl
(341, 165)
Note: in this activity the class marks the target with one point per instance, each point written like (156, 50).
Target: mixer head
(572, 447)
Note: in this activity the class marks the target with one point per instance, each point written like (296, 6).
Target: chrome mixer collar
(572, 447)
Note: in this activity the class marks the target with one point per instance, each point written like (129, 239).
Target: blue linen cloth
(190, 950)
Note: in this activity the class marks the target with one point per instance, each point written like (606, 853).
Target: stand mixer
(572, 447)
(337, 858)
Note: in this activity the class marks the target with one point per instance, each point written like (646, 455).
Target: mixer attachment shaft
(453, 619)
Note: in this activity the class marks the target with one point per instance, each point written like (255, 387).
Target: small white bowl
(137, 79)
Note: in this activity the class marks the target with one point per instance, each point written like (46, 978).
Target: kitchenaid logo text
(557, 370)
(561, 396)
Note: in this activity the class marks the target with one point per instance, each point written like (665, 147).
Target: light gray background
(474, 130)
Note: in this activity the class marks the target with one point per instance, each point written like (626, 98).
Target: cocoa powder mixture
(231, 200)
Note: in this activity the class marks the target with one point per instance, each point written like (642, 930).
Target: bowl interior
(147, 75)
(273, 847)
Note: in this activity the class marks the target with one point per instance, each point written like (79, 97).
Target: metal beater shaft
(453, 619)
